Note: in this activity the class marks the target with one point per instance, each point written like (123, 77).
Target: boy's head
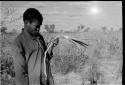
(32, 14)
(32, 21)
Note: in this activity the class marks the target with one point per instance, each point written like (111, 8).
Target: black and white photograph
(61, 43)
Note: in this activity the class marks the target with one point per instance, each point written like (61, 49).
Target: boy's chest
(33, 46)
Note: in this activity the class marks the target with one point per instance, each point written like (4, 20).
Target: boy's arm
(50, 53)
(54, 44)
(19, 64)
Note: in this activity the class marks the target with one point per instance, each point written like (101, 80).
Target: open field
(98, 64)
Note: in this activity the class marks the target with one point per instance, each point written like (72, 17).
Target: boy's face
(33, 28)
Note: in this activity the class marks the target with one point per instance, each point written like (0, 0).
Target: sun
(94, 10)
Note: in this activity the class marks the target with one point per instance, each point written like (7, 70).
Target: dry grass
(100, 62)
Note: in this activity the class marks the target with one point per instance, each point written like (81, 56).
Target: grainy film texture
(98, 24)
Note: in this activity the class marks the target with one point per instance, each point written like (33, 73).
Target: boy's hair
(31, 14)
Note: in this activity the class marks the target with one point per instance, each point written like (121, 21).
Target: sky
(67, 15)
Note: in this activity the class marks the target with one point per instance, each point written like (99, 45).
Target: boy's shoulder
(18, 39)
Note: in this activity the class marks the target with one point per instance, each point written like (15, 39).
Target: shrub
(65, 63)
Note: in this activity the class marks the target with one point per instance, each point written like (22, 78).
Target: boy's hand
(55, 42)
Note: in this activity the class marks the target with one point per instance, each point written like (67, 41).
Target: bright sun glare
(94, 10)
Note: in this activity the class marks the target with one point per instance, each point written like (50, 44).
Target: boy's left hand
(55, 42)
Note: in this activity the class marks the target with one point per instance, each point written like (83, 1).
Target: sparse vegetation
(49, 28)
(3, 29)
(101, 62)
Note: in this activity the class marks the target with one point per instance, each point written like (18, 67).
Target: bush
(66, 63)
(49, 28)
(3, 29)
(6, 61)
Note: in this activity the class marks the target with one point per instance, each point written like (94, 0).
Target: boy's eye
(38, 26)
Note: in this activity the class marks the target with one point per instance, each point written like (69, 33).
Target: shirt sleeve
(20, 65)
